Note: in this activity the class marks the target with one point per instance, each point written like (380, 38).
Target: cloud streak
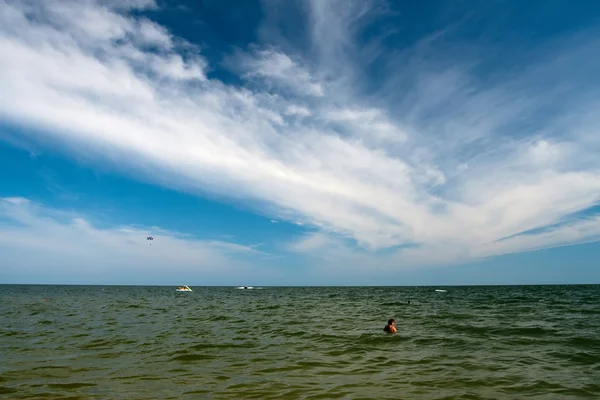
(436, 159)
(279, 69)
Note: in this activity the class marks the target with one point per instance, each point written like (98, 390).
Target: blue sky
(299, 142)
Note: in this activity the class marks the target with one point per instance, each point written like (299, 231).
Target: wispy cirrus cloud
(428, 158)
(274, 67)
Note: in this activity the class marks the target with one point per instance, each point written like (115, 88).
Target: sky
(342, 142)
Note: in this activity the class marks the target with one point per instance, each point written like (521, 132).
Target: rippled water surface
(93, 342)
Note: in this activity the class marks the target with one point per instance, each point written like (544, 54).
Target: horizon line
(305, 286)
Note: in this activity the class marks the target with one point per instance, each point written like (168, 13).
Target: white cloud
(545, 152)
(384, 168)
(152, 33)
(368, 123)
(280, 69)
(16, 200)
(41, 243)
(298, 110)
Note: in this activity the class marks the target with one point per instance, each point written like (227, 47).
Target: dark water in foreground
(93, 342)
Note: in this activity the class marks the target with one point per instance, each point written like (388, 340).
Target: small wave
(285, 368)
(273, 307)
(585, 358)
(539, 387)
(74, 385)
(523, 331)
(126, 377)
(449, 316)
(377, 338)
(51, 367)
(7, 390)
(589, 312)
(494, 331)
(199, 391)
(581, 357)
(100, 344)
(395, 303)
(193, 357)
(444, 341)
(586, 342)
(470, 329)
(205, 346)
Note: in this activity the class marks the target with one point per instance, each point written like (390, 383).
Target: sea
(457, 342)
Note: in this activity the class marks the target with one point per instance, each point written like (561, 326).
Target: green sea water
(116, 342)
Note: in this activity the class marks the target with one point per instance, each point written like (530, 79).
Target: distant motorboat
(184, 288)
(439, 290)
(245, 287)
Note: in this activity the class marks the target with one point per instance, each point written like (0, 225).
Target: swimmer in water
(390, 327)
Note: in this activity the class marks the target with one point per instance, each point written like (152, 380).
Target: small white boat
(245, 287)
(184, 288)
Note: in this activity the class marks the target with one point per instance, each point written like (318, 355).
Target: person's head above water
(390, 328)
